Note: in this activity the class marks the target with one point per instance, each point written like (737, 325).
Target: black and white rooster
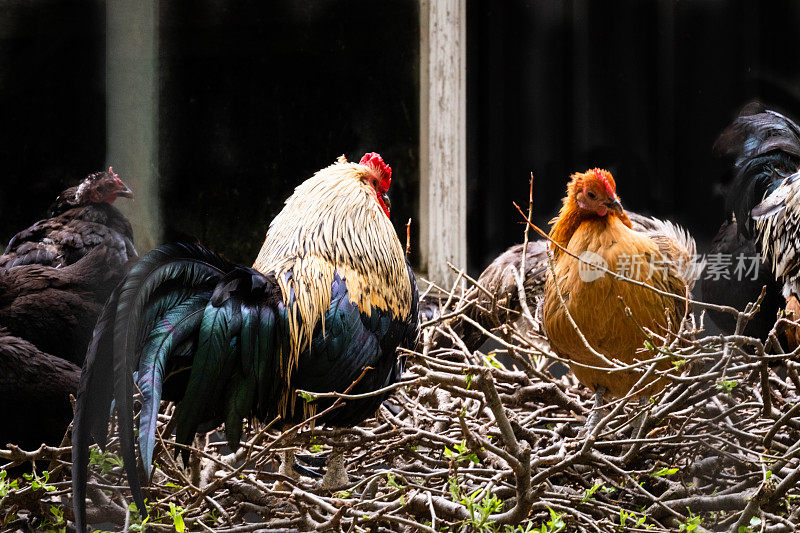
(764, 200)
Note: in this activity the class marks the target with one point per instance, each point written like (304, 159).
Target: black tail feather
(112, 358)
(92, 407)
(766, 145)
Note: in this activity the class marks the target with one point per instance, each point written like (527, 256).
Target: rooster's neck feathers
(333, 223)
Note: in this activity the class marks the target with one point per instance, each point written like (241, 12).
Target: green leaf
(468, 378)
(587, 495)
(491, 358)
(454, 487)
(177, 517)
(664, 472)
(307, 396)
(105, 461)
(390, 481)
(555, 524)
(7, 486)
(692, 523)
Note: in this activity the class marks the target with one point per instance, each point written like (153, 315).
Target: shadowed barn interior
(253, 97)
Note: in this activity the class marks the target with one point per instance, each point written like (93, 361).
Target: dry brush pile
(475, 441)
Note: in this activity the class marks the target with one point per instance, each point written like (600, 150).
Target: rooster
(766, 147)
(328, 301)
(738, 289)
(592, 224)
(81, 218)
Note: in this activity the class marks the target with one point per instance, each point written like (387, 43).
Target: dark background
(640, 88)
(52, 104)
(255, 96)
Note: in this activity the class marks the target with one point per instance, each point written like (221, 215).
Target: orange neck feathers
(571, 216)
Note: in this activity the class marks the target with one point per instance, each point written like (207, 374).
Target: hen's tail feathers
(675, 243)
(766, 147)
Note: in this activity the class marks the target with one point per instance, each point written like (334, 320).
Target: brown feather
(597, 306)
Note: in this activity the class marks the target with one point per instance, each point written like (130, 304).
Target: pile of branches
(481, 440)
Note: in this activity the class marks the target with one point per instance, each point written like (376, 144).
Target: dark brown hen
(81, 218)
(34, 394)
(56, 308)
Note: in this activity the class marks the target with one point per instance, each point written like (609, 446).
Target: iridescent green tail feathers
(191, 327)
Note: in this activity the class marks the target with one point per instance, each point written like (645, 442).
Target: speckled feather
(765, 195)
(777, 222)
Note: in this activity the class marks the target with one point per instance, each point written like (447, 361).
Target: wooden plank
(132, 111)
(443, 155)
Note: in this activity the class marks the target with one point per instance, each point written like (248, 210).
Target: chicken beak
(614, 205)
(386, 201)
(125, 192)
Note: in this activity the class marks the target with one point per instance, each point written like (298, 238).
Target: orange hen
(592, 225)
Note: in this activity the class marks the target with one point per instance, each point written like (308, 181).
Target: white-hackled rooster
(329, 295)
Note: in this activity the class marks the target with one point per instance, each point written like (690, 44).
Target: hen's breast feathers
(598, 306)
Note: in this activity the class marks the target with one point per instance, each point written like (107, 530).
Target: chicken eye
(591, 195)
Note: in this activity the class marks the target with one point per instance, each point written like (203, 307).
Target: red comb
(602, 178)
(375, 161)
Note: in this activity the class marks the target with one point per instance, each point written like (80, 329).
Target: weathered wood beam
(132, 111)
(443, 137)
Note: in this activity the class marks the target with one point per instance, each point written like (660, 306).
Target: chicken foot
(286, 469)
(597, 412)
(638, 423)
(336, 474)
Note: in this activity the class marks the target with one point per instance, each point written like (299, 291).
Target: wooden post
(443, 137)
(132, 111)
